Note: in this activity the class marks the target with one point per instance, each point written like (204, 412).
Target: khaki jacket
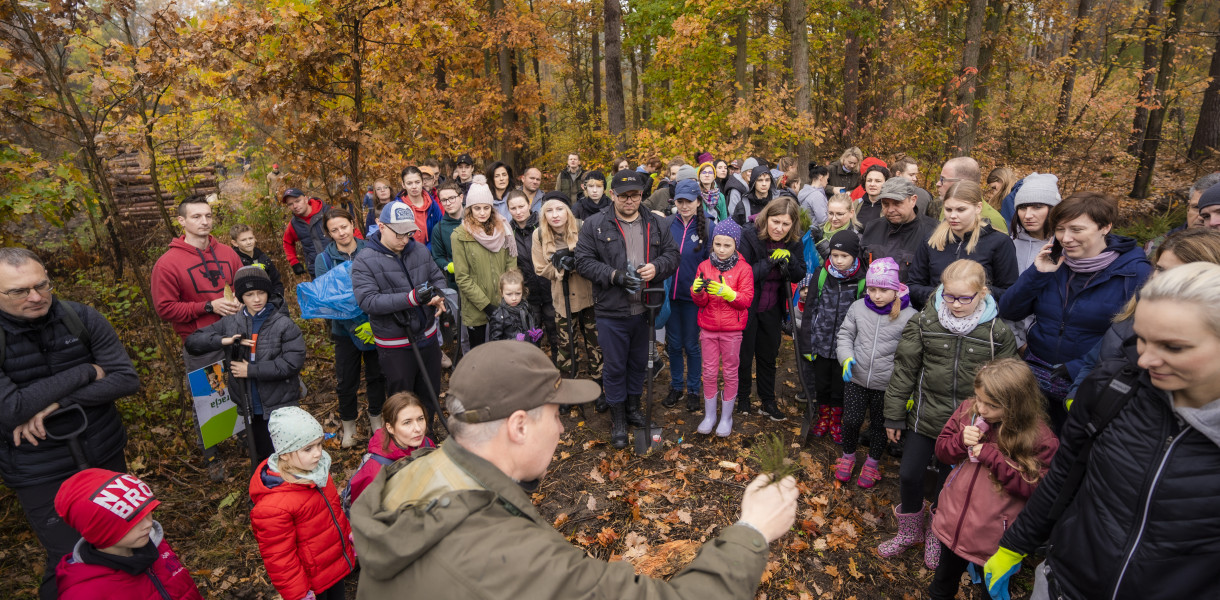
(477, 273)
(448, 524)
(580, 292)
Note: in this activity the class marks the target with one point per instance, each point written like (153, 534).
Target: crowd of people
(1058, 377)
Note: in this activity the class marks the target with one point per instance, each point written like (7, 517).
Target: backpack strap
(1120, 389)
(860, 289)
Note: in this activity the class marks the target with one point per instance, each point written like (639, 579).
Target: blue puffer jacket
(1067, 327)
(686, 238)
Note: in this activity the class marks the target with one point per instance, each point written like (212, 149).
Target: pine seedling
(772, 457)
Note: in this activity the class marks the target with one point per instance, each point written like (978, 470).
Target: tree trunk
(1073, 55)
(635, 88)
(508, 113)
(616, 116)
(645, 59)
(851, 80)
(597, 75)
(994, 27)
(1156, 116)
(1207, 132)
(761, 72)
(964, 140)
(1147, 76)
(353, 152)
(798, 25)
(880, 85)
(741, 55)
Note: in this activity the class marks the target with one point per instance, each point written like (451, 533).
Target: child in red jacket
(1002, 447)
(723, 290)
(405, 431)
(302, 533)
(122, 553)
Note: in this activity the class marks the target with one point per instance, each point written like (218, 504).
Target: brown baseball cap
(496, 379)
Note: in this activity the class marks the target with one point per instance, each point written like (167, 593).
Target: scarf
(319, 475)
(837, 274)
(957, 325)
(904, 301)
(828, 231)
(1092, 265)
(711, 197)
(723, 265)
(141, 558)
(498, 239)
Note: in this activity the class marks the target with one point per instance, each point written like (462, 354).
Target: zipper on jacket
(1170, 442)
(157, 584)
(961, 518)
(342, 542)
(872, 356)
(685, 228)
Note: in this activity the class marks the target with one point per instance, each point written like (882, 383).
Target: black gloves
(422, 294)
(298, 268)
(490, 309)
(563, 260)
(628, 280)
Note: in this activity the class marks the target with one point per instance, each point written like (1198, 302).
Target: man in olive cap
(457, 522)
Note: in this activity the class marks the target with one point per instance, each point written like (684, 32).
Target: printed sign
(218, 418)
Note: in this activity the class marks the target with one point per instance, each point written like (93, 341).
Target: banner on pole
(216, 411)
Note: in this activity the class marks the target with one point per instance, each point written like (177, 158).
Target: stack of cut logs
(132, 184)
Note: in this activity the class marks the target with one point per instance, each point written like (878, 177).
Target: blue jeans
(682, 335)
(624, 342)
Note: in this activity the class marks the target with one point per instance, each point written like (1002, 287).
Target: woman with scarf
(710, 194)
(483, 249)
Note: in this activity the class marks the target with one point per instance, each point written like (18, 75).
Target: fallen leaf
(852, 570)
(596, 476)
(832, 570)
(683, 516)
(592, 503)
(714, 474)
(798, 545)
(561, 519)
(732, 466)
(606, 536)
(564, 455)
(820, 545)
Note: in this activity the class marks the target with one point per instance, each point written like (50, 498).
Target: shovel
(648, 438)
(67, 425)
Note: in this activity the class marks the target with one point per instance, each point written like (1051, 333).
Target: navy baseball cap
(687, 189)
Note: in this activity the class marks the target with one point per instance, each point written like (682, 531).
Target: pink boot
(910, 532)
(844, 467)
(931, 546)
(823, 423)
(869, 475)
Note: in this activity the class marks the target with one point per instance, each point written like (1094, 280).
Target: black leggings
(760, 340)
(917, 452)
(828, 382)
(857, 400)
(948, 577)
(336, 592)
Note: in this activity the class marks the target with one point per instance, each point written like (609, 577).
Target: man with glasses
(61, 367)
(623, 250)
(397, 283)
(188, 284)
(962, 168)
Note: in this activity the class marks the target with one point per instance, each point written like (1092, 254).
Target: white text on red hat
(124, 496)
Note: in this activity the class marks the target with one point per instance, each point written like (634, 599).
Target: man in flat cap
(457, 522)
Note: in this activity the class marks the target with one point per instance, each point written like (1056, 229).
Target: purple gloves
(535, 334)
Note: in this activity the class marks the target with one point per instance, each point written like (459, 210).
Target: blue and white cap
(399, 217)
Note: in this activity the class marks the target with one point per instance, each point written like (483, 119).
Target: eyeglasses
(943, 180)
(23, 293)
(963, 300)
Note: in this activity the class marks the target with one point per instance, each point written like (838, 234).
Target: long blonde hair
(1004, 176)
(571, 227)
(1009, 383)
(963, 191)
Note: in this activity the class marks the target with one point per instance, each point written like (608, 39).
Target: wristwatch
(207, 307)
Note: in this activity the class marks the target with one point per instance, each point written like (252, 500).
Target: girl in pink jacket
(723, 291)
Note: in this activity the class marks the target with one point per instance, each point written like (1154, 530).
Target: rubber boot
(823, 424)
(709, 416)
(836, 424)
(635, 416)
(375, 423)
(726, 418)
(910, 532)
(931, 546)
(349, 434)
(618, 425)
(600, 404)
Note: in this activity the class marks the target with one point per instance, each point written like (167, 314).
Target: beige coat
(580, 293)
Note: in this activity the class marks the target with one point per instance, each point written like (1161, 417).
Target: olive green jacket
(448, 524)
(477, 272)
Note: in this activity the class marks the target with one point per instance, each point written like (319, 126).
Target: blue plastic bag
(329, 296)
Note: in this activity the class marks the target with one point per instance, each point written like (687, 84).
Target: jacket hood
(592, 207)
(1129, 253)
(530, 224)
(990, 309)
(332, 250)
(374, 243)
(762, 170)
(82, 572)
(315, 207)
(265, 482)
(1205, 419)
(735, 182)
(179, 244)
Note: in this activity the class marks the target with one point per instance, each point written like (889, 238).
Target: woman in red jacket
(302, 533)
(723, 291)
(1002, 447)
(122, 553)
(404, 432)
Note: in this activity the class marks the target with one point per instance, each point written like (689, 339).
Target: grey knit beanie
(292, 428)
(1038, 188)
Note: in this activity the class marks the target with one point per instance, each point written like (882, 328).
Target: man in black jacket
(62, 367)
(623, 250)
(902, 230)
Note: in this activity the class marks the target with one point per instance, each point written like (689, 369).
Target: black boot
(618, 425)
(672, 399)
(692, 402)
(635, 417)
(600, 404)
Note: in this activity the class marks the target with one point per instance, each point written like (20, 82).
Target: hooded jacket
(751, 203)
(302, 533)
(601, 250)
(872, 340)
(1027, 248)
(994, 251)
(1142, 525)
(477, 271)
(735, 191)
(1068, 325)
(449, 524)
(378, 457)
(686, 237)
(823, 310)
(442, 251)
(716, 313)
(899, 242)
(971, 513)
(382, 282)
(426, 217)
(279, 354)
(937, 367)
(78, 580)
(580, 290)
(186, 278)
(310, 232)
(44, 363)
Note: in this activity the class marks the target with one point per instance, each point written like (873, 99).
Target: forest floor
(653, 511)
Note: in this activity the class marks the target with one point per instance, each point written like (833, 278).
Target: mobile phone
(1056, 250)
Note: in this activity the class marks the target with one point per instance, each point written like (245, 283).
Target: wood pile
(180, 167)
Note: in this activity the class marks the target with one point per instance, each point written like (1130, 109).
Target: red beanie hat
(103, 505)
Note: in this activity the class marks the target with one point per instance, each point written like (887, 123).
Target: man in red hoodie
(188, 284)
(306, 226)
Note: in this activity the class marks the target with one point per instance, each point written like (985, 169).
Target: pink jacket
(980, 500)
(717, 314)
(372, 466)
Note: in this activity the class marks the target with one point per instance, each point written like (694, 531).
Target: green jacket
(442, 253)
(477, 272)
(936, 367)
(448, 524)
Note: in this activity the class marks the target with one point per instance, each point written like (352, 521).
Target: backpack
(345, 497)
(71, 319)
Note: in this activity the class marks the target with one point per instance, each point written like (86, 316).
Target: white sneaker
(445, 362)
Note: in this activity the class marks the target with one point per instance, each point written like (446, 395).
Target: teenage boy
(246, 246)
(593, 200)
